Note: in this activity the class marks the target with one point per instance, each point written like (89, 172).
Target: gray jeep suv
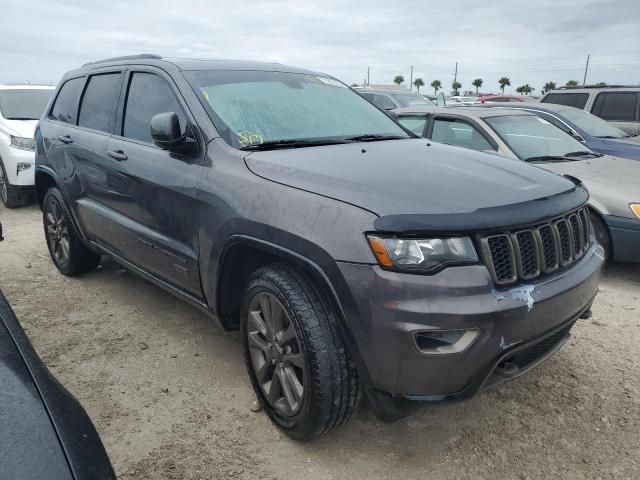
(352, 256)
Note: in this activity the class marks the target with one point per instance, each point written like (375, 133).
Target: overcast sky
(528, 41)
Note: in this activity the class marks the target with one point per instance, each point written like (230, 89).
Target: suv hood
(19, 128)
(412, 176)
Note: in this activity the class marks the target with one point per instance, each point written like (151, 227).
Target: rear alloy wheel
(67, 251)
(297, 361)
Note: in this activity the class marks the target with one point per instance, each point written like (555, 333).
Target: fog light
(22, 166)
(444, 342)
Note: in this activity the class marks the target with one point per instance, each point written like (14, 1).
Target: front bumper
(391, 306)
(10, 159)
(625, 238)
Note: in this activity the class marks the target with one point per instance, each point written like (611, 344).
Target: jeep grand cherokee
(352, 256)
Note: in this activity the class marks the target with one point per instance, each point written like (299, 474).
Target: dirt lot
(168, 392)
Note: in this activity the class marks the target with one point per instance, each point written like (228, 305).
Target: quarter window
(148, 95)
(65, 107)
(578, 100)
(383, 101)
(617, 106)
(460, 133)
(96, 110)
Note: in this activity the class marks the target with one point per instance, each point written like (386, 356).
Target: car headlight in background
(635, 208)
(22, 143)
(422, 255)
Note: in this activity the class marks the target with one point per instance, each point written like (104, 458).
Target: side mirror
(165, 131)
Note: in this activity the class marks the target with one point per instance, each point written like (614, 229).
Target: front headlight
(423, 255)
(23, 143)
(635, 208)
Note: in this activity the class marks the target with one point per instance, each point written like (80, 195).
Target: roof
(591, 88)
(194, 63)
(586, 87)
(543, 107)
(389, 90)
(472, 112)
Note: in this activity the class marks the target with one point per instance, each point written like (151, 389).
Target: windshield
(252, 108)
(530, 136)
(411, 99)
(27, 104)
(592, 125)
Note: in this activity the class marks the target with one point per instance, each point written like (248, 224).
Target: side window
(148, 95)
(620, 106)
(96, 109)
(578, 100)
(368, 96)
(383, 101)
(65, 107)
(415, 124)
(460, 133)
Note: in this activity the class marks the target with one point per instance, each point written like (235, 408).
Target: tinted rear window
(620, 106)
(578, 100)
(66, 106)
(97, 102)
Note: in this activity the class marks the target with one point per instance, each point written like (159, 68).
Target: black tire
(331, 387)
(11, 196)
(76, 258)
(601, 233)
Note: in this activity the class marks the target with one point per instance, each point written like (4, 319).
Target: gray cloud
(531, 43)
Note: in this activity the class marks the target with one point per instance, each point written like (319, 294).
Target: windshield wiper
(583, 153)
(299, 143)
(549, 158)
(374, 138)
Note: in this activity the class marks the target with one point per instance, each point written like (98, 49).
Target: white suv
(20, 109)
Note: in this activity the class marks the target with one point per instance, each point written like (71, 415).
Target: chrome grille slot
(566, 242)
(576, 234)
(527, 256)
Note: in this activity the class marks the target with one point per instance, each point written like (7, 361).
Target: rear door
(620, 108)
(150, 210)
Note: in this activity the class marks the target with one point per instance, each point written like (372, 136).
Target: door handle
(65, 139)
(118, 155)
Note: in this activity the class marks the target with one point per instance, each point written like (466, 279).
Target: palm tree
(398, 80)
(520, 90)
(526, 88)
(418, 82)
(477, 83)
(548, 87)
(456, 86)
(504, 82)
(572, 83)
(437, 85)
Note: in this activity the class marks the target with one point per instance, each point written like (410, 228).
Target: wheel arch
(45, 179)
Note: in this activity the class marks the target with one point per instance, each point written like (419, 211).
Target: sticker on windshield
(249, 138)
(542, 120)
(331, 81)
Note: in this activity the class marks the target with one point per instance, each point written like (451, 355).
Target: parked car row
(355, 258)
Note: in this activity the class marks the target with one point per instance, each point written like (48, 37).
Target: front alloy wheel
(275, 354)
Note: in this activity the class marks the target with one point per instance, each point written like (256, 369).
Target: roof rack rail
(25, 84)
(570, 87)
(142, 56)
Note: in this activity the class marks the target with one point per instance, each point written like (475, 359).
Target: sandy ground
(169, 395)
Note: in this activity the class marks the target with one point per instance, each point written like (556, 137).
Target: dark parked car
(45, 434)
(595, 133)
(353, 256)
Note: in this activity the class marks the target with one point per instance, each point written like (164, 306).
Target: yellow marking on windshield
(249, 138)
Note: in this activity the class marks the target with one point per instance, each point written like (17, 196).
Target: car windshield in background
(27, 104)
(593, 125)
(411, 99)
(256, 109)
(531, 137)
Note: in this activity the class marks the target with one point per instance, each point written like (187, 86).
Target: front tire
(67, 251)
(297, 361)
(11, 196)
(601, 233)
